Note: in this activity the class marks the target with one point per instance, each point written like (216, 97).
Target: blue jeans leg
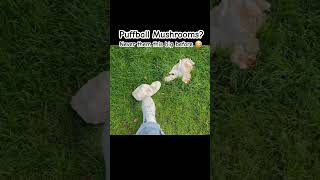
(150, 128)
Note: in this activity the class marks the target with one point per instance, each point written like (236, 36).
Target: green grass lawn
(181, 108)
(48, 50)
(266, 120)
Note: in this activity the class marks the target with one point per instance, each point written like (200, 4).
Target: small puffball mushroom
(145, 90)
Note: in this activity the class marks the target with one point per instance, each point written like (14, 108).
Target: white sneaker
(145, 90)
(155, 86)
(148, 110)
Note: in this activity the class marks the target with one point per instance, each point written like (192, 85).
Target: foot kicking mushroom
(182, 69)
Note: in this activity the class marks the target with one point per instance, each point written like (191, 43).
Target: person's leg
(150, 128)
(149, 125)
(148, 110)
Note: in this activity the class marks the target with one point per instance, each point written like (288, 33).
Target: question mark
(201, 33)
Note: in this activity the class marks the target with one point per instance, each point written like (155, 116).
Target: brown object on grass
(234, 24)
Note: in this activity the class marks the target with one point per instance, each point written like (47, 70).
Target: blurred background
(48, 50)
(266, 120)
